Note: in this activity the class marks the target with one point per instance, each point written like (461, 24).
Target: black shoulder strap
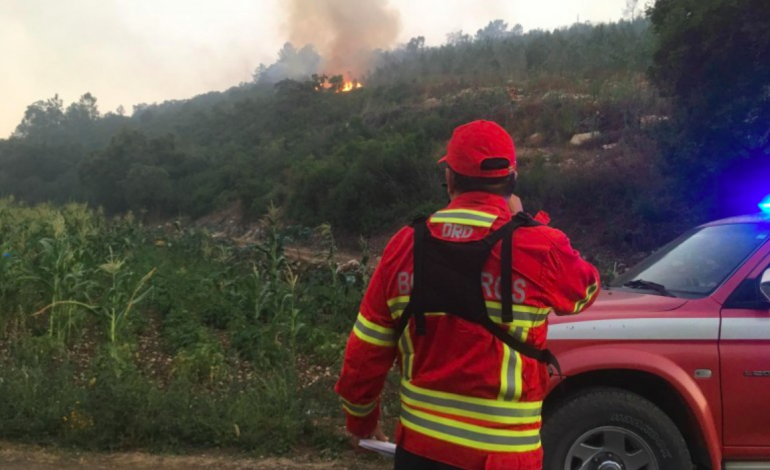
(506, 274)
(522, 219)
(420, 229)
(505, 234)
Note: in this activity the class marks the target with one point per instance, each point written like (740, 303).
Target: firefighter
(461, 300)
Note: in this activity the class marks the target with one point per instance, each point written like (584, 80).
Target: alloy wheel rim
(610, 448)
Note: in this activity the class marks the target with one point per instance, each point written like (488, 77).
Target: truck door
(745, 358)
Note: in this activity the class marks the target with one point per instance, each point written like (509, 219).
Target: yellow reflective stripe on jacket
(407, 354)
(590, 292)
(470, 435)
(359, 410)
(511, 379)
(464, 217)
(427, 314)
(523, 315)
(494, 411)
(479, 214)
(372, 333)
(520, 333)
(397, 305)
(510, 375)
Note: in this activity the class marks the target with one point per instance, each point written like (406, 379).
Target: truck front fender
(604, 358)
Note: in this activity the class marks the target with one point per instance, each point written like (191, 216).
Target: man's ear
(512, 182)
(450, 183)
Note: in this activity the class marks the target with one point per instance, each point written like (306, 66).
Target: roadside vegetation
(115, 335)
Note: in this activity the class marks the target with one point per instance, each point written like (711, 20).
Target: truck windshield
(696, 263)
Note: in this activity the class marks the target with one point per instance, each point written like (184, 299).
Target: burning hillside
(344, 32)
(350, 86)
(336, 83)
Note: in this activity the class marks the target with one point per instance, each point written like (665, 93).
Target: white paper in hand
(383, 448)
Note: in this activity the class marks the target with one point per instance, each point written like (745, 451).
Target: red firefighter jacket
(467, 399)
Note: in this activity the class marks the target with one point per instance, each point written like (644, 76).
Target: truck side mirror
(764, 285)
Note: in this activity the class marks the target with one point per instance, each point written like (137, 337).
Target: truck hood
(617, 303)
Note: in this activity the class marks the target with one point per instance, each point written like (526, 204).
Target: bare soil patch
(28, 457)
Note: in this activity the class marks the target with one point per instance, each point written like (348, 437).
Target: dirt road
(24, 457)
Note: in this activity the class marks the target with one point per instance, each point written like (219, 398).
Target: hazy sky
(142, 51)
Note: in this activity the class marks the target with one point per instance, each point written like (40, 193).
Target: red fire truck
(670, 369)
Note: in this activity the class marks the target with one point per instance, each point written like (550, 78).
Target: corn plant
(59, 270)
(118, 301)
(273, 248)
(288, 308)
(263, 293)
(266, 277)
(8, 285)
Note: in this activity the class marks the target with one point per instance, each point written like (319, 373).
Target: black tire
(586, 429)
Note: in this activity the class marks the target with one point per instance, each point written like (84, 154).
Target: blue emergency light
(764, 206)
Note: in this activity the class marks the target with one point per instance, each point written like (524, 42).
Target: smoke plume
(345, 32)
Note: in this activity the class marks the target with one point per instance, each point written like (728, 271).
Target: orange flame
(346, 86)
(350, 86)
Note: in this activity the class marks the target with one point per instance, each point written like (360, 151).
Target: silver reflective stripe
(639, 329)
(398, 308)
(497, 312)
(519, 334)
(747, 466)
(741, 329)
(580, 304)
(513, 361)
(458, 216)
(500, 412)
(481, 438)
(373, 333)
(359, 409)
(406, 352)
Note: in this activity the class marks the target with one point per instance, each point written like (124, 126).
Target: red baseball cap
(481, 149)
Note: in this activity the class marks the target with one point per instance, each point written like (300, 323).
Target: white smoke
(344, 32)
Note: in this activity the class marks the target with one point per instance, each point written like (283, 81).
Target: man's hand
(514, 203)
(376, 434)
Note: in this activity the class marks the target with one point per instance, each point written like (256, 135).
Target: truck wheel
(611, 429)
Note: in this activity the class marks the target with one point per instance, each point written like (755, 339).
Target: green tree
(84, 110)
(415, 44)
(712, 58)
(456, 38)
(496, 29)
(106, 174)
(42, 119)
(148, 187)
